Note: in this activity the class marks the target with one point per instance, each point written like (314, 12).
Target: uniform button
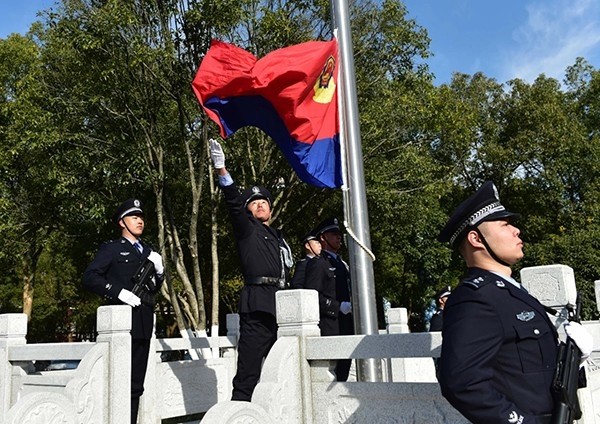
(536, 331)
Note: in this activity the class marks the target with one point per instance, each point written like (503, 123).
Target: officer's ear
(473, 239)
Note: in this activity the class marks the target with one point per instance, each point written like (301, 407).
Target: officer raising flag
(265, 260)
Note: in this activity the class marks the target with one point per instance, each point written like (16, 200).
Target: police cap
(484, 205)
(256, 192)
(311, 235)
(330, 224)
(128, 207)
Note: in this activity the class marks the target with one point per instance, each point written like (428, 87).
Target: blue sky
(509, 38)
(503, 39)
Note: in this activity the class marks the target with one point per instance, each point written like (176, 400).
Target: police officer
(265, 259)
(330, 236)
(312, 248)
(437, 319)
(499, 347)
(111, 274)
(319, 275)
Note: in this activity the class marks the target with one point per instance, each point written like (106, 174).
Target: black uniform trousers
(258, 333)
(140, 350)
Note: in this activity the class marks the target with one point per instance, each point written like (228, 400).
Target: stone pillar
(552, 285)
(298, 316)
(406, 369)
(150, 402)
(297, 313)
(13, 329)
(114, 328)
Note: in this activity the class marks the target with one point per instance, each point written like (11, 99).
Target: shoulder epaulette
(477, 281)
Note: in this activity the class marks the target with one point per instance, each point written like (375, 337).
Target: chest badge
(124, 253)
(526, 316)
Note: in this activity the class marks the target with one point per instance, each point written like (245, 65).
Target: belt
(265, 281)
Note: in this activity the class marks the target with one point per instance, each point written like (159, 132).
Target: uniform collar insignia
(125, 253)
(500, 283)
(526, 316)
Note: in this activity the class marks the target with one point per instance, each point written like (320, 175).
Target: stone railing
(98, 390)
(297, 386)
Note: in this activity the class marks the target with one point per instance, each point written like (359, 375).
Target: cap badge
(526, 316)
(496, 195)
(136, 203)
(255, 190)
(335, 221)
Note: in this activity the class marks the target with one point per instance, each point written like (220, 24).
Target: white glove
(156, 259)
(581, 337)
(216, 154)
(129, 298)
(345, 308)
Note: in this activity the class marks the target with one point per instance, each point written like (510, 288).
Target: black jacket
(258, 247)
(320, 276)
(498, 352)
(299, 273)
(342, 290)
(111, 270)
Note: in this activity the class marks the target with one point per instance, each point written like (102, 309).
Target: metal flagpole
(355, 199)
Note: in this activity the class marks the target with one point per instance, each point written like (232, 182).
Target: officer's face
(504, 240)
(260, 209)
(332, 240)
(133, 224)
(313, 246)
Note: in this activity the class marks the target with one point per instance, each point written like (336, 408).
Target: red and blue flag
(291, 94)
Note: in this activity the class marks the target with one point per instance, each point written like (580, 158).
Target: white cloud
(554, 35)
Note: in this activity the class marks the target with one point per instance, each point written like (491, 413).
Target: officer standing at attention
(265, 260)
(319, 275)
(330, 236)
(312, 248)
(111, 275)
(499, 348)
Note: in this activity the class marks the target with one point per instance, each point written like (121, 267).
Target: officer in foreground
(499, 348)
(265, 259)
(110, 275)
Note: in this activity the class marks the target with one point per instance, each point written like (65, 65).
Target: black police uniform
(342, 294)
(110, 271)
(320, 276)
(498, 352)
(299, 273)
(498, 345)
(260, 250)
(436, 321)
